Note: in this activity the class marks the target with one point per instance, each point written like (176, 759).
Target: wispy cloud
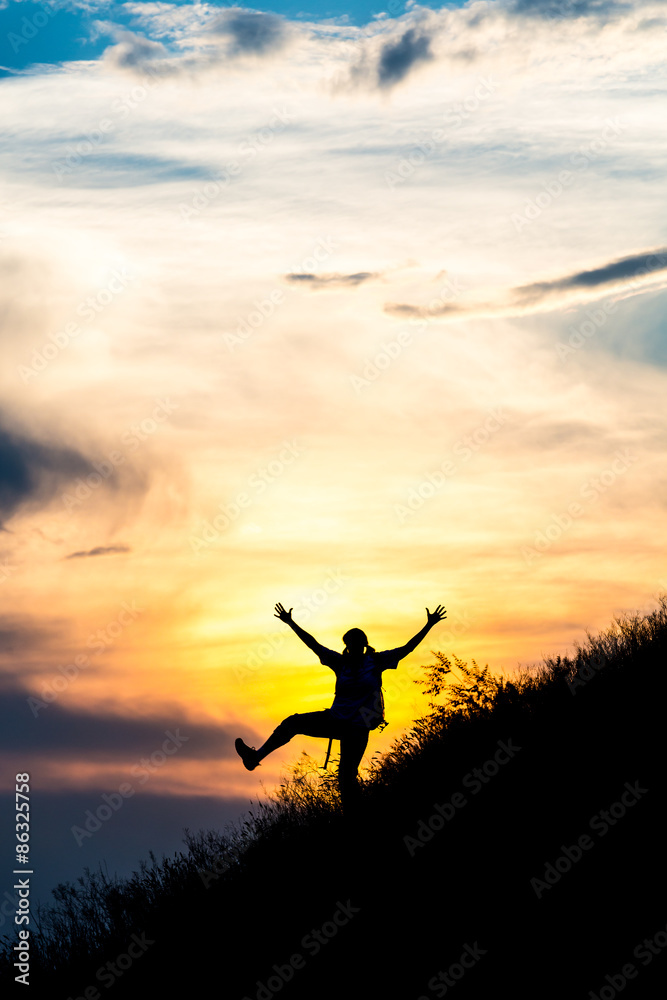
(602, 9)
(633, 273)
(100, 550)
(643, 268)
(133, 51)
(319, 281)
(234, 35)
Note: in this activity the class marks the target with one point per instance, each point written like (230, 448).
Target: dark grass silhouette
(392, 912)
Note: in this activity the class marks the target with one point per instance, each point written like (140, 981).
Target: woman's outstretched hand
(435, 616)
(285, 616)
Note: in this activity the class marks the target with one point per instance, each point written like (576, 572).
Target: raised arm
(432, 617)
(286, 616)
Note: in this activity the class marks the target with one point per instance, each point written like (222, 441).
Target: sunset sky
(356, 308)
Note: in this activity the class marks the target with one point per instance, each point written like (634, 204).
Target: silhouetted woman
(358, 705)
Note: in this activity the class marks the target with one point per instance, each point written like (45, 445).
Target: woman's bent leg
(300, 724)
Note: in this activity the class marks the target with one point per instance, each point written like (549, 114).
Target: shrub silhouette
(237, 904)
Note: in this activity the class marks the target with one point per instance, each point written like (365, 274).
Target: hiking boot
(247, 754)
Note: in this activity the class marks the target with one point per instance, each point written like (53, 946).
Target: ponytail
(356, 661)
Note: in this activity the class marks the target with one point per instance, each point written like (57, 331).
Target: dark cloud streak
(628, 268)
(318, 281)
(32, 473)
(62, 733)
(552, 9)
(399, 56)
(251, 32)
(23, 634)
(385, 63)
(631, 272)
(100, 550)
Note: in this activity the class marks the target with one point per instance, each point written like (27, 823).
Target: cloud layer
(58, 730)
(631, 274)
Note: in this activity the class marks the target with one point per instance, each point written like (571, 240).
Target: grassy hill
(512, 842)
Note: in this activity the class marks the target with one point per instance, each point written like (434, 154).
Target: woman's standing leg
(353, 743)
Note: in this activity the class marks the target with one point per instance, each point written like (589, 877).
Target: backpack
(380, 724)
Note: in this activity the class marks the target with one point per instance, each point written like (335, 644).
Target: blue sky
(45, 33)
(57, 32)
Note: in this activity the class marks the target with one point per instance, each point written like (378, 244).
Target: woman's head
(355, 640)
